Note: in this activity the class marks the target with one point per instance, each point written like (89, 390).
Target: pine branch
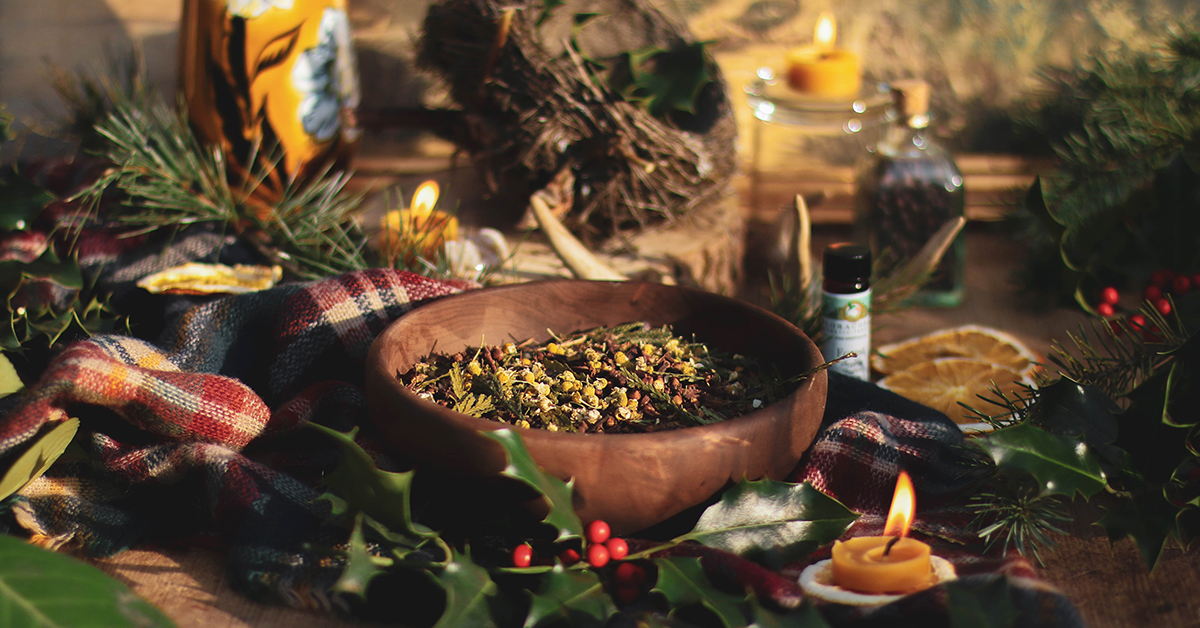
(168, 179)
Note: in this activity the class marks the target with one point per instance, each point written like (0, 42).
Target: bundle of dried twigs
(538, 102)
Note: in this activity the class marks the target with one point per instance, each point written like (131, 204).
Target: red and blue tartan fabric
(196, 435)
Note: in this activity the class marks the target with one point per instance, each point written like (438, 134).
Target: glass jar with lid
(909, 187)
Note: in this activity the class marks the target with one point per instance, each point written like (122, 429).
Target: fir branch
(1011, 513)
(1117, 356)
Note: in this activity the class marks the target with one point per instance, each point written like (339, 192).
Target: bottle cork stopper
(912, 97)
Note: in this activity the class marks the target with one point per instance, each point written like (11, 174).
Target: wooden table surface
(1108, 583)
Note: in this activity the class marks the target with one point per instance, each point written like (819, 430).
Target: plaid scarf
(196, 435)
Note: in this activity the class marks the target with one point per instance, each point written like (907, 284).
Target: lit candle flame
(424, 199)
(904, 505)
(826, 32)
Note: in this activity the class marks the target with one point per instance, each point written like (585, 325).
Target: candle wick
(888, 548)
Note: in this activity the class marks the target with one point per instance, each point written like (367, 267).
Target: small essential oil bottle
(846, 309)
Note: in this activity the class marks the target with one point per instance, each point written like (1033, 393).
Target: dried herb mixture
(627, 378)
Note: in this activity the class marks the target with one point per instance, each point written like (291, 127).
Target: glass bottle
(846, 309)
(907, 189)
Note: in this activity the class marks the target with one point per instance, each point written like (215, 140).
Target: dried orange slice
(969, 341)
(942, 383)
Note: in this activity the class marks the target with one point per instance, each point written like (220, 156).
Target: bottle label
(846, 328)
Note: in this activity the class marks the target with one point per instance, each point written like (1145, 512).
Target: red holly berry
(626, 594)
(1152, 293)
(1181, 284)
(568, 556)
(617, 548)
(1161, 278)
(1110, 295)
(1116, 328)
(522, 555)
(597, 555)
(1163, 306)
(1105, 309)
(631, 574)
(1137, 321)
(597, 531)
(1196, 280)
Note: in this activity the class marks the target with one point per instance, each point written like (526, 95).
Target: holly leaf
(468, 589)
(662, 81)
(381, 495)
(20, 202)
(42, 589)
(573, 596)
(1081, 412)
(1061, 466)
(972, 605)
(682, 581)
(806, 616)
(557, 493)
(38, 458)
(1144, 430)
(772, 521)
(360, 566)
(1146, 517)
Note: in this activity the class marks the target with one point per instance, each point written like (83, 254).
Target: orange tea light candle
(886, 564)
(421, 228)
(823, 70)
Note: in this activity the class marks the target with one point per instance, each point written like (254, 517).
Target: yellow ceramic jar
(271, 81)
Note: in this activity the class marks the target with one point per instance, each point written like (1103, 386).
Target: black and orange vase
(274, 84)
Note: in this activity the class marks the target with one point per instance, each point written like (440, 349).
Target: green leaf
(548, 7)
(1062, 466)
(382, 495)
(1081, 412)
(1074, 410)
(663, 81)
(806, 616)
(10, 382)
(683, 582)
(360, 565)
(574, 596)
(468, 588)
(1154, 445)
(973, 605)
(20, 202)
(34, 462)
(1146, 517)
(557, 493)
(42, 589)
(773, 521)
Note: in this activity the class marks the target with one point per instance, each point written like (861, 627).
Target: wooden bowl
(632, 481)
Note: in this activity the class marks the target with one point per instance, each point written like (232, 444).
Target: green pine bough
(1119, 426)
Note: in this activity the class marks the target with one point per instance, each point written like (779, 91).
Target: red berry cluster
(601, 548)
(1164, 283)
